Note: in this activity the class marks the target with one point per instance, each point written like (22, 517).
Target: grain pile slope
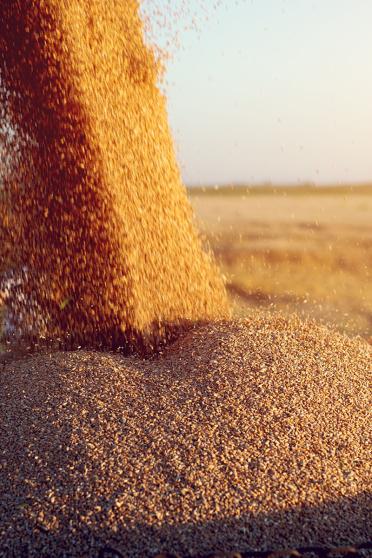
(251, 433)
(99, 221)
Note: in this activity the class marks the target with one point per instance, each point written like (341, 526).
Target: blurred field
(306, 250)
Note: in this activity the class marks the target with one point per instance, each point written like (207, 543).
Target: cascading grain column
(63, 220)
(105, 229)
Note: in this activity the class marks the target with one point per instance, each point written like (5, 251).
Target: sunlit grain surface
(250, 434)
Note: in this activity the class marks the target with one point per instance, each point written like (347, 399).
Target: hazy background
(278, 91)
(272, 90)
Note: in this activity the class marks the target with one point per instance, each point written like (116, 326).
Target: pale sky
(275, 90)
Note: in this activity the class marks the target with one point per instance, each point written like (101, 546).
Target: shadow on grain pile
(240, 434)
(305, 525)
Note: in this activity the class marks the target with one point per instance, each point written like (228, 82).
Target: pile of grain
(94, 215)
(242, 434)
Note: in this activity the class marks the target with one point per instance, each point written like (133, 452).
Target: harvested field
(304, 250)
(241, 434)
